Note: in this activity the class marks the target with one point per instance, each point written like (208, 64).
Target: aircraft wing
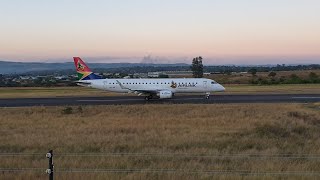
(140, 91)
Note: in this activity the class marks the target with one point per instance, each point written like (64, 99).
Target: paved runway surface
(194, 99)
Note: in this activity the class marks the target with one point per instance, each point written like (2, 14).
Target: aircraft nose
(221, 88)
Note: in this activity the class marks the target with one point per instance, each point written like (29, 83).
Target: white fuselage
(175, 85)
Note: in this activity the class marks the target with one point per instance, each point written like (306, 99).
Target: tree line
(196, 67)
(273, 78)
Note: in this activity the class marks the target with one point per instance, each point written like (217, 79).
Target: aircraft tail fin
(83, 71)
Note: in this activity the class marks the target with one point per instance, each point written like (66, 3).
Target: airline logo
(83, 71)
(173, 85)
(80, 66)
(182, 85)
(187, 85)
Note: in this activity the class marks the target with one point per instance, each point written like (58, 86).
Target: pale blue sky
(232, 31)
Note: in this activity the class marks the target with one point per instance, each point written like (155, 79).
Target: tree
(253, 71)
(197, 67)
(294, 79)
(163, 76)
(314, 78)
(2, 82)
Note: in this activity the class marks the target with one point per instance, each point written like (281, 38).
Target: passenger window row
(154, 83)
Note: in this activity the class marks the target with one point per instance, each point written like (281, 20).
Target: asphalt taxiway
(194, 99)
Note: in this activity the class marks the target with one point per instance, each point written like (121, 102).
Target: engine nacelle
(165, 94)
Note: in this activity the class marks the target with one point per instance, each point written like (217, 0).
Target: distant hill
(7, 67)
(38, 68)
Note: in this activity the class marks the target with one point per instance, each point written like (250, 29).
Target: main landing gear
(147, 98)
(207, 96)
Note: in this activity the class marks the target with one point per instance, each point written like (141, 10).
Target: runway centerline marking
(112, 100)
(305, 97)
(189, 99)
(105, 100)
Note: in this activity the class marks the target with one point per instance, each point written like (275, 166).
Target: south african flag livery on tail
(84, 72)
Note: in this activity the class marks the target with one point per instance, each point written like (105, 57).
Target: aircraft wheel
(207, 96)
(147, 98)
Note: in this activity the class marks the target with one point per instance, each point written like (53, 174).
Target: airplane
(151, 88)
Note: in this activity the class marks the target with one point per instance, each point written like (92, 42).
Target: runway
(194, 99)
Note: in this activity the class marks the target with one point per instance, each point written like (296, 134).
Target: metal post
(49, 171)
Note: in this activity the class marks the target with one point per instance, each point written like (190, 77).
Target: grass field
(82, 91)
(245, 78)
(265, 130)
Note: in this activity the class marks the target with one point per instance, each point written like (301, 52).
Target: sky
(221, 31)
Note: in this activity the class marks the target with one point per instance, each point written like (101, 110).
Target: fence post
(49, 171)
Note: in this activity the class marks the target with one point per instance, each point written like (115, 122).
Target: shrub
(313, 75)
(272, 130)
(67, 110)
(272, 74)
(80, 110)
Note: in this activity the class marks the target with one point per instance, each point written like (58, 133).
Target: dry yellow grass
(193, 129)
(273, 89)
(246, 78)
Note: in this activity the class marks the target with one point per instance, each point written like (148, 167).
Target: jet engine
(165, 94)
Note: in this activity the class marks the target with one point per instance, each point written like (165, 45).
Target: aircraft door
(105, 84)
(205, 84)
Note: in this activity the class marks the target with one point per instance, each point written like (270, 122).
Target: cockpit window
(213, 82)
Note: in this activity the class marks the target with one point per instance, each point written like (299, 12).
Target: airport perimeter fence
(51, 170)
